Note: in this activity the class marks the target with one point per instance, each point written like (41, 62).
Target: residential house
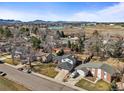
(66, 62)
(72, 40)
(47, 57)
(44, 57)
(98, 70)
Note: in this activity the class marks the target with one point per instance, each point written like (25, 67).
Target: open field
(105, 29)
(73, 30)
(7, 85)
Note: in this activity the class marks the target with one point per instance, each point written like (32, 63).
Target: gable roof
(103, 66)
(66, 62)
(66, 66)
(60, 58)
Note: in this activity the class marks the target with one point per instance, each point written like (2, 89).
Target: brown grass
(46, 69)
(105, 29)
(8, 85)
(99, 86)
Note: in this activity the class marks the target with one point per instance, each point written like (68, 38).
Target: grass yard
(9, 61)
(46, 69)
(8, 85)
(99, 86)
(3, 54)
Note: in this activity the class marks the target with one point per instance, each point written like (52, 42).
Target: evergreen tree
(62, 34)
(114, 86)
(7, 33)
(36, 42)
(69, 44)
(81, 44)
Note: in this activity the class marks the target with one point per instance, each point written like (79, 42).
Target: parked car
(1, 62)
(2, 73)
(29, 71)
(74, 74)
(20, 69)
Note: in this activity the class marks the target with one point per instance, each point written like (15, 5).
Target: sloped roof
(59, 58)
(99, 65)
(66, 62)
(66, 66)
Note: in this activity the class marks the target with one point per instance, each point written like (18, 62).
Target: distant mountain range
(4, 22)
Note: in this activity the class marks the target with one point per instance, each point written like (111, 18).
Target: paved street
(32, 82)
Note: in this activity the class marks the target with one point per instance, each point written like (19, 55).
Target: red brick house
(99, 70)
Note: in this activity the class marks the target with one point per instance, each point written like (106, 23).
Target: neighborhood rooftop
(99, 65)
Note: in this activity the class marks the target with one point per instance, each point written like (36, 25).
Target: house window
(99, 73)
(105, 75)
(93, 71)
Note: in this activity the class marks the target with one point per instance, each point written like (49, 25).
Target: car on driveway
(74, 74)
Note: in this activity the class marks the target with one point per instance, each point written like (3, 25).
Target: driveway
(73, 81)
(32, 82)
(60, 76)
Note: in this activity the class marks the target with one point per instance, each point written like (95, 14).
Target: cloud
(113, 13)
(26, 16)
(110, 14)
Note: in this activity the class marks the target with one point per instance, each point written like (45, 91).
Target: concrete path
(60, 76)
(73, 81)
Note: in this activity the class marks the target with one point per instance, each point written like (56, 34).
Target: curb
(65, 84)
(51, 79)
(10, 65)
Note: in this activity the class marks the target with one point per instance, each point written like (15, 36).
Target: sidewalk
(51, 79)
(73, 81)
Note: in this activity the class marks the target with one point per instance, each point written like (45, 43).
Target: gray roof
(64, 63)
(59, 58)
(99, 65)
(65, 66)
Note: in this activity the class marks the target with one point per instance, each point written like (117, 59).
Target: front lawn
(47, 69)
(10, 61)
(8, 85)
(99, 86)
(4, 54)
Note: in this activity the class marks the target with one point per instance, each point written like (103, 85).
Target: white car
(74, 74)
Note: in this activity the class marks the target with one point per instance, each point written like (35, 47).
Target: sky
(63, 11)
